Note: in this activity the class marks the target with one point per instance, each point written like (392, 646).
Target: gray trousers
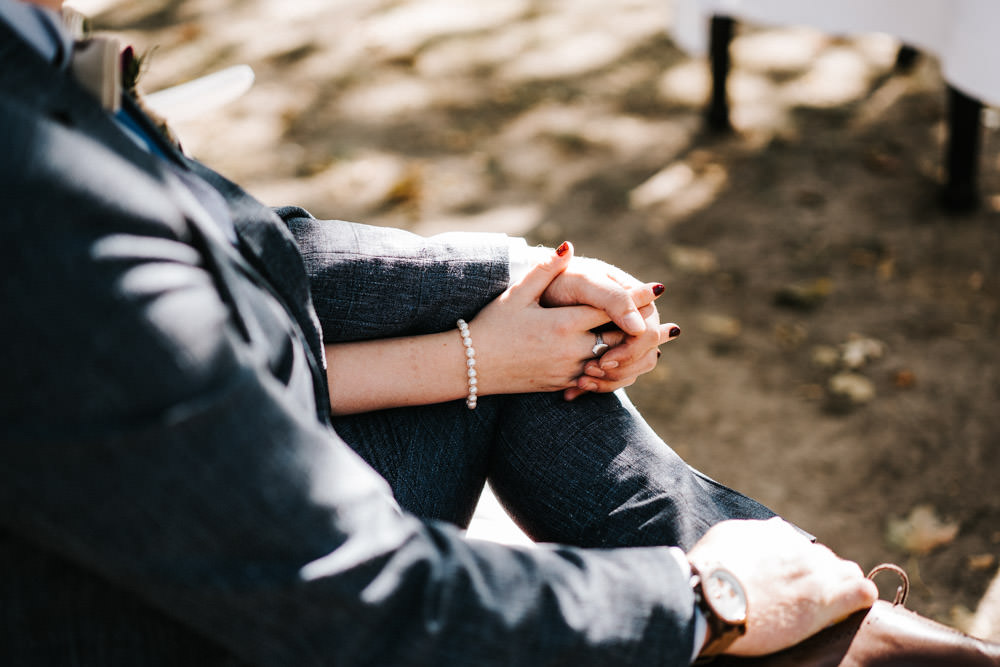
(588, 473)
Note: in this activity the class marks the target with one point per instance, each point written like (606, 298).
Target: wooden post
(961, 191)
(719, 39)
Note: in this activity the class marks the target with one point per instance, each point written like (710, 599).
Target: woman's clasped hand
(539, 335)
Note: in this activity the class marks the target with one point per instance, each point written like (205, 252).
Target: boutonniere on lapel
(133, 66)
(108, 71)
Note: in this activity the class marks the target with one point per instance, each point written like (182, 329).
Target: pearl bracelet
(470, 363)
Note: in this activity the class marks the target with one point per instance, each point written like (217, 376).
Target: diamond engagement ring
(600, 347)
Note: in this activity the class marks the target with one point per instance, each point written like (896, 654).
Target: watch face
(725, 595)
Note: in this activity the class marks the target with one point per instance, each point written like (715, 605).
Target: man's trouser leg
(589, 472)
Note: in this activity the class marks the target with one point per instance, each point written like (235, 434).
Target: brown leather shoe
(886, 634)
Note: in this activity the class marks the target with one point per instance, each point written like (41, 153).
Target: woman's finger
(612, 381)
(669, 331)
(612, 339)
(642, 297)
(609, 339)
(636, 362)
(540, 276)
(636, 347)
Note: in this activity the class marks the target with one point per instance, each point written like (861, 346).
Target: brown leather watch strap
(722, 632)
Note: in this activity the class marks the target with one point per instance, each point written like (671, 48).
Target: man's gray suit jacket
(171, 490)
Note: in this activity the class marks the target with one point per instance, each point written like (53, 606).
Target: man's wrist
(700, 622)
(722, 599)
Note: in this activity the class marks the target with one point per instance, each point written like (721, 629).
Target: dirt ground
(838, 358)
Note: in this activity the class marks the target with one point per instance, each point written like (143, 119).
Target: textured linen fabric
(173, 491)
(355, 270)
(589, 473)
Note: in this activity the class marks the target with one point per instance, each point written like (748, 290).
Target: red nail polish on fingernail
(675, 332)
(658, 289)
(561, 250)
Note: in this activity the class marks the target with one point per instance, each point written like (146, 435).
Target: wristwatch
(722, 600)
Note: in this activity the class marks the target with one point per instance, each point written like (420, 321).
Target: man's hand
(794, 587)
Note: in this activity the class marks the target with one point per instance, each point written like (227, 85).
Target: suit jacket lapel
(271, 250)
(25, 76)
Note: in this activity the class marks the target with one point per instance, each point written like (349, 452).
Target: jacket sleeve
(376, 282)
(148, 440)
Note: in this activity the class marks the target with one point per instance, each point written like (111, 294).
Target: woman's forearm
(396, 372)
